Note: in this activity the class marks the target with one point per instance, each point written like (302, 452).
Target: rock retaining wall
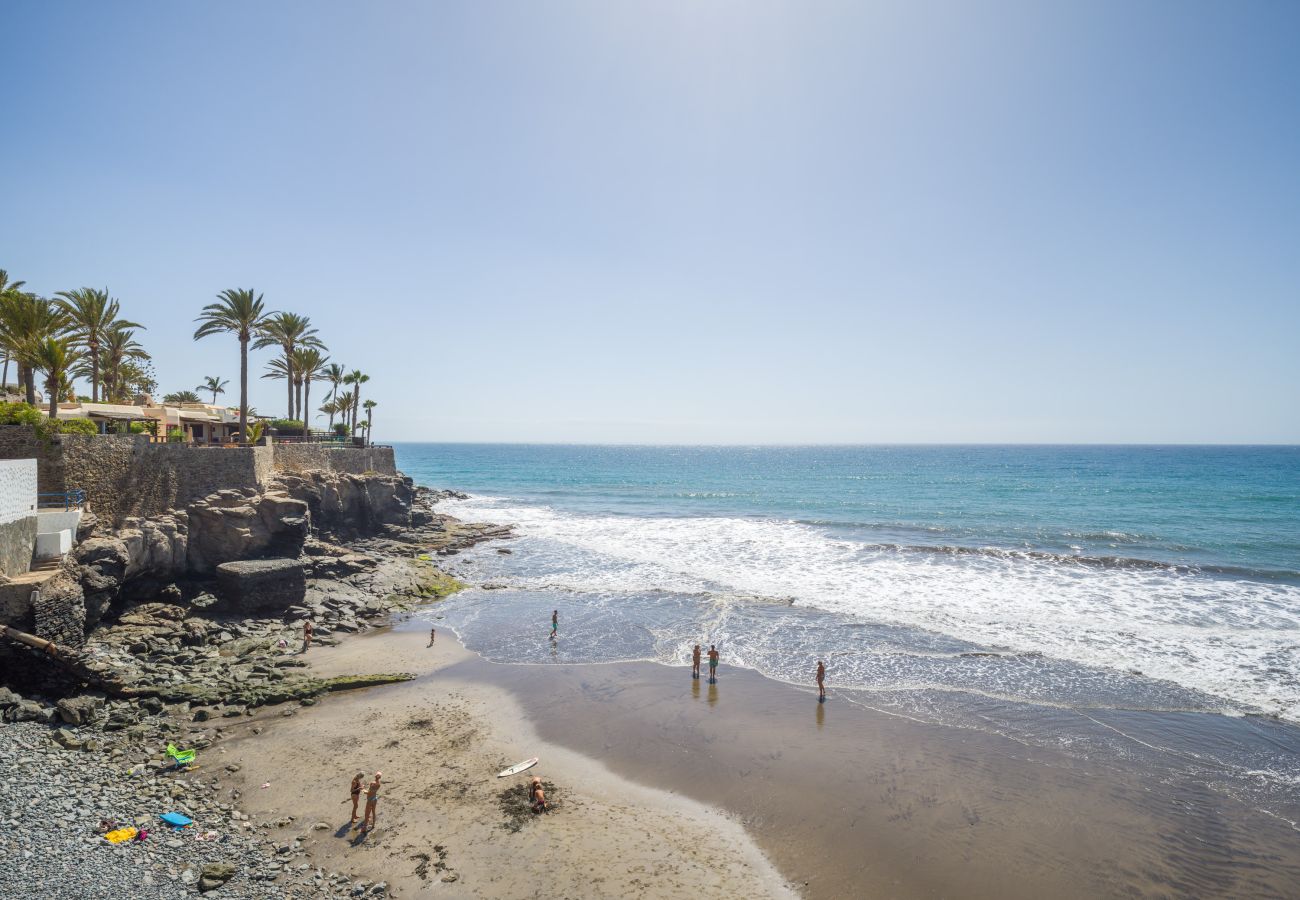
(298, 458)
(126, 475)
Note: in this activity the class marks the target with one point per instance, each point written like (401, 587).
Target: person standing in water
(306, 635)
(695, 662)
(555, 623)
(821, 680)
(355, 791)
(713, 664)
(372, 801)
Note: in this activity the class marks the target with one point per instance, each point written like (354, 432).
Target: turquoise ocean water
(1130, 603)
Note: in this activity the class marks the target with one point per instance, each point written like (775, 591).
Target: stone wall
(126, 475)
(299, 458)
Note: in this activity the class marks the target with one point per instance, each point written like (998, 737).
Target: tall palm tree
(241, 312)
(55, 356)
(334, 374)
(91, 313)
(308, 366)
(288, 331)
(356, 379)
(6, 287)
(370, 418)
(214, 384)
(118, 347)
(26, 320)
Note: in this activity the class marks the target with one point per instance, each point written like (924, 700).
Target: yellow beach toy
(120, 835)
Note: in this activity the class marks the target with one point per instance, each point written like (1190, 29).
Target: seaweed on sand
(514, 804)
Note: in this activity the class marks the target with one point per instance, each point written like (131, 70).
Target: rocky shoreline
(189, 621)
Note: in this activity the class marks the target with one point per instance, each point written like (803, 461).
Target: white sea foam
(1235, 639)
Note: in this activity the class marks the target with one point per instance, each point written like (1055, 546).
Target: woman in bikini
(355, 791)
(372, 800)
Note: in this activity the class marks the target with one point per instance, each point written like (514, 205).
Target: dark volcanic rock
(262, 585)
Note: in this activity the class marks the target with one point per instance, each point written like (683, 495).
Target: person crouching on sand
(695, 662)
(537, 796)
(355, 791)
(821, 680)
(307, 629)
(372, 801)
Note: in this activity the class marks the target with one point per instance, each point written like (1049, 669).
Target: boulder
(261, 585)
(79, 710)
(214, 875)
(230, 525)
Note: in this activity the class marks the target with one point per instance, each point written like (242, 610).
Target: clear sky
(691, 221)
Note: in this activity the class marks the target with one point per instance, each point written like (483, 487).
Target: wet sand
(848, 801)
(657, 774)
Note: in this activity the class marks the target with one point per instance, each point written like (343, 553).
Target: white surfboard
(517, 768)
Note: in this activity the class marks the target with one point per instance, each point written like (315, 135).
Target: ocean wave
(1235, 638)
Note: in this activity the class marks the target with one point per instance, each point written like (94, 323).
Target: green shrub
(176, 436)
(75, 426)
(286, 426)
(45, 427)
(20, 414)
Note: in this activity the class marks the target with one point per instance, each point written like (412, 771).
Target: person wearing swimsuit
(555, 622)
(537, 796)
(306, 635)
(713, 663)
(372, 800)
(821, 680)
(695, 662)
(355, 791)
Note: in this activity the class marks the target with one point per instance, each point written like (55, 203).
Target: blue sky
(695, 221)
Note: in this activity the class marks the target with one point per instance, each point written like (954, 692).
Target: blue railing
(64, 500)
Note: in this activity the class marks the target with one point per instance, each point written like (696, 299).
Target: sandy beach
(843, 800)
(439, 741)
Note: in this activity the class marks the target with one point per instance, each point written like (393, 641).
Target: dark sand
(850, 802)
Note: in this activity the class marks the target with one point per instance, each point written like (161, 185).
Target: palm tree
(26, 320)
(179, 397)
(240, 312)
(356, 379)
(214, 384)
(308, 366)
(334, 374)
(6, 287)
(329, 408)
(119, 347)
(370, 418)
(55, 356)
(342, 405)
(91, 313)
(288, 331)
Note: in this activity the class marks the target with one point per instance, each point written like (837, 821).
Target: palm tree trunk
(243, 389)
(4, 380)
(93, 346)
(52, 385)
(333, 400)
(370, 421)
(288, 380)
(29, 382)
(306, 407)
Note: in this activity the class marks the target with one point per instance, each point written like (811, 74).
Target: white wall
(17, 489)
